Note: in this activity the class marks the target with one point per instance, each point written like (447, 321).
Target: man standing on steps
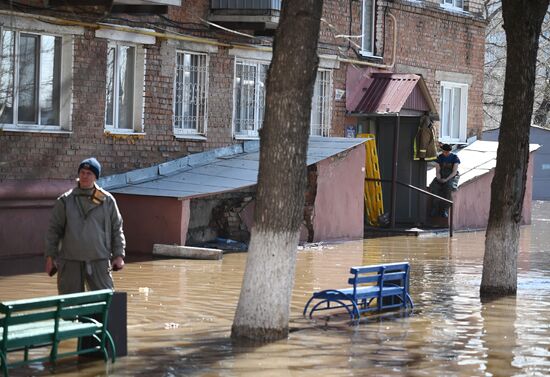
(445, 181)
(85, 240)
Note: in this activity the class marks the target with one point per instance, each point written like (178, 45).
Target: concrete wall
(472, 201)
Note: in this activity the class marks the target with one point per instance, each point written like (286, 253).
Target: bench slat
(43, 302)
(87, 309)
(28, 317)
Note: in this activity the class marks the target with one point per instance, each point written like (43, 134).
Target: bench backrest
(396, 273)
(54, 307)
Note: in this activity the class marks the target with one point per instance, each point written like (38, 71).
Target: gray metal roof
(215, 171)
(476, 159)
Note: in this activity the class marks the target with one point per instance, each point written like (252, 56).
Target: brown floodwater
(180, 314)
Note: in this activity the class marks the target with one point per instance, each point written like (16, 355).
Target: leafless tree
(495, 63)
(522, 25)
(263, 310)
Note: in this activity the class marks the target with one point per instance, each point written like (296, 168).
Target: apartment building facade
(140, 84)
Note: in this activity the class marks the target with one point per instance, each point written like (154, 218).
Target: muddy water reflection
(180, 314)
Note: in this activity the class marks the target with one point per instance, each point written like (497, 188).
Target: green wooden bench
(45, 321)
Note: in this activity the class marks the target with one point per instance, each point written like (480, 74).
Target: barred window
(249, 97)
(191, 89)
(321, 104)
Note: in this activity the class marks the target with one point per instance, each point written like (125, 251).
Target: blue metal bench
(373, 288)
(45, 321)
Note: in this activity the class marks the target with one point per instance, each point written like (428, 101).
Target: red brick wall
(437, 40)
(427, 37)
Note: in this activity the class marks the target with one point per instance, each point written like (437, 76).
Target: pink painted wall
(25, 208)
(473, 200)
(340, 194)
(150, 220)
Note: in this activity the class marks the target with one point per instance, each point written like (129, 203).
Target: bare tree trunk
(522, 23)
(263, 310)
(540, 118)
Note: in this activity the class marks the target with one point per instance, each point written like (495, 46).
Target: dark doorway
(410, 205)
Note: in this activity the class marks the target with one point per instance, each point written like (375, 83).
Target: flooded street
(180, 314)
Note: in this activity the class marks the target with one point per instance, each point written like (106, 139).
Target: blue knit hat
(91, 164)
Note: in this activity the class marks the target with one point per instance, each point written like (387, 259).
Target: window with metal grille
(321, 104)
(249, 97)
(191, 88)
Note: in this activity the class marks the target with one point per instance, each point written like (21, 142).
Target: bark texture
(522, 24)
(540, 118)
(264, 304)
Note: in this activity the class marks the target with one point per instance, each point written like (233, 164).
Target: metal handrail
(425, 193)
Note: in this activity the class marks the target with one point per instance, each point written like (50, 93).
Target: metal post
(451, 220)
(394, 171)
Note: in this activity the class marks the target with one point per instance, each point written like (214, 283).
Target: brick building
(140, 84)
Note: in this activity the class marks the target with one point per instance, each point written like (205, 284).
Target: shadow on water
(180, 314)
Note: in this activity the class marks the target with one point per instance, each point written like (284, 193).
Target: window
(249, 97)
(454, 103)
(457, 4)
(30, 81)
(321, 104)
(367, 27)
(119, 101)
(190, 94)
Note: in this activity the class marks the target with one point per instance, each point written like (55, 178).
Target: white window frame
(136, 120)
(453, 4)
(182, 98)
(321, 104)
(367, 49)
(64, 84)
(259, 99)
(447, 111)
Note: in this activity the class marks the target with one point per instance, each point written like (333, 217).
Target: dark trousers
(441, 189)
(75, 276)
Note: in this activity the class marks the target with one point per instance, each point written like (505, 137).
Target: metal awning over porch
(391, 93)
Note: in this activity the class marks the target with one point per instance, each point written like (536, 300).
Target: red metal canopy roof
(387, 93)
